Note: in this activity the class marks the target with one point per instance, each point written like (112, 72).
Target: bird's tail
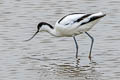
(93, 17)
(89, 22)
(98, 15)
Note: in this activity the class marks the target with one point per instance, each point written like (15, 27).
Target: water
(49, 58)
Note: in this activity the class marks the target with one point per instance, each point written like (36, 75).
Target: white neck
(50, 30)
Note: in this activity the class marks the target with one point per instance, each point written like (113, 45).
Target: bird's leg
(91, 44)
(76, 46)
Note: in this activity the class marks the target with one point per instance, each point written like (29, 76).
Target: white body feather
(68, 27)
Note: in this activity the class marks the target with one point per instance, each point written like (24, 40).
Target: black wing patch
(83, 17)
(92, 19)
(68, 15)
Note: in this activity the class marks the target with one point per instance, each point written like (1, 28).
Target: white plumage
(68, 25)
(71, 25)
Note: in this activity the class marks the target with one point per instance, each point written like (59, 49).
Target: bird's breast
(67, 33)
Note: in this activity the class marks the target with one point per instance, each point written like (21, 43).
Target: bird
(71, 25)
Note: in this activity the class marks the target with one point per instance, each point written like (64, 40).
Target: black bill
(31, 37)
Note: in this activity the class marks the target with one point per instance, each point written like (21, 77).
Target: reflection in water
(81, 72)
(49, 58)
(66, 70)
(77, 62)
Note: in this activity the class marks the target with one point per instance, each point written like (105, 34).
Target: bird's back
(70, 18)
(77, 23)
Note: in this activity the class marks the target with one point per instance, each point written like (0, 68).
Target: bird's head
(42, 26)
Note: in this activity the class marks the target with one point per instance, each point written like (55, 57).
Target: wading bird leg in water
(92, 39)
(71, 24)
(76, 44)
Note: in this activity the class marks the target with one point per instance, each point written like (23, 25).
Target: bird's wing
(72, 18)
(79, 18)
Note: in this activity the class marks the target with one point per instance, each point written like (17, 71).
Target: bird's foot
(89, 57)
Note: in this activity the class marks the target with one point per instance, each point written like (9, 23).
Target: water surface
(49, 58)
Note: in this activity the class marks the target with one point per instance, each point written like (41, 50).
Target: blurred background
(49, 58)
